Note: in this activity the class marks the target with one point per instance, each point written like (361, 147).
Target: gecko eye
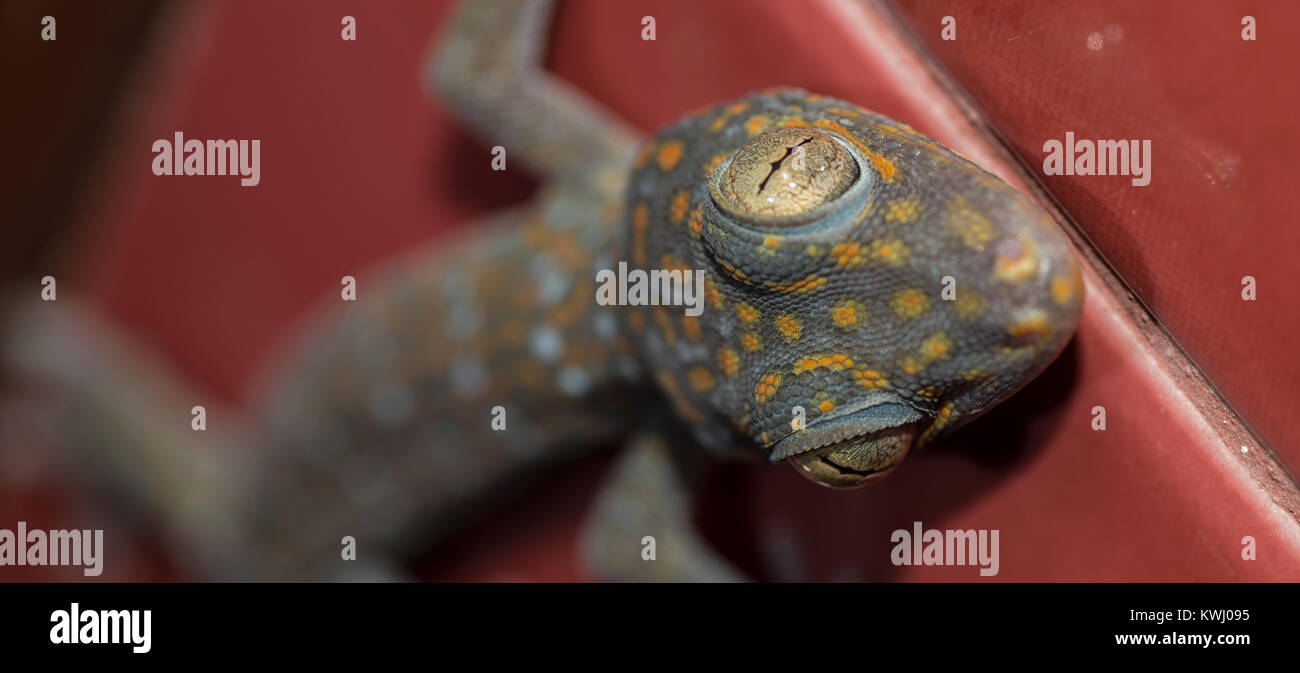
(787, 171)
(857, 461)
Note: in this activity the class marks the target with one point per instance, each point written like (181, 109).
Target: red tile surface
(1221, 116)
(358, 164)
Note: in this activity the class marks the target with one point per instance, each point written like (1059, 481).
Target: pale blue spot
(468, 377)
(464, 321)
(573, 381)
(391, 404)
(546, 343)
(375, 349)
(605, 325)
(552, 283)
(629, 368)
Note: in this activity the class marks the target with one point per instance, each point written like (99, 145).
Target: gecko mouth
(854, 449)
(846, 470)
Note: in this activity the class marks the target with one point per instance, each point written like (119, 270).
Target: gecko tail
(127, 424)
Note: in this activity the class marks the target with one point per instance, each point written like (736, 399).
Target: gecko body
(867, 291)
(827, 235)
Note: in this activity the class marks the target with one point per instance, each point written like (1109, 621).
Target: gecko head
(865, 289)
(874, 290)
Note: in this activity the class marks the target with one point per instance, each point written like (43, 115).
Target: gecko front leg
(641, 527)
(488, 68)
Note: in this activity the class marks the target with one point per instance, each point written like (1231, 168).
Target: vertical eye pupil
(786, 171)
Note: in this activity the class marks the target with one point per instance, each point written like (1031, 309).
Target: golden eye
(787, 171)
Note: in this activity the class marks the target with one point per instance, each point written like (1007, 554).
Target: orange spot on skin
(848, 313)
(1063, 288)
(712, 164)
(717, 124)
(736, 108)
(701, 378)
(973, 228)
(767, 387)
(847, 254)
(691, 327)
(946, 413)
(640, 221)
(892, 252)
(825, 406)
(968, 304)
(677, 210)
(771, 241)
(1032, 326)
(832, 361)
(843, 112)
(669, 154)
(789, 327)
(746, 312)
(903, 211)
(937, 346)
(1015, 262)
(903, 132)
(711, 292)
(868, 379)
(728, 362)
(750, 341)
(883, 166)
(755, 125)
(909, 303)
(810, 283)
(694, 221)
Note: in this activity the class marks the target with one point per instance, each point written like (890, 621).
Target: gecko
(866, 292)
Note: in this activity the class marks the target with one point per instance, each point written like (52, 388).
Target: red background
(358, 163)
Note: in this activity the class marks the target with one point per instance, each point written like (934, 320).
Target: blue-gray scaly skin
(840, 308)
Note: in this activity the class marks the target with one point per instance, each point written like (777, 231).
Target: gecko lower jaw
(854, 448)
(858, 461)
